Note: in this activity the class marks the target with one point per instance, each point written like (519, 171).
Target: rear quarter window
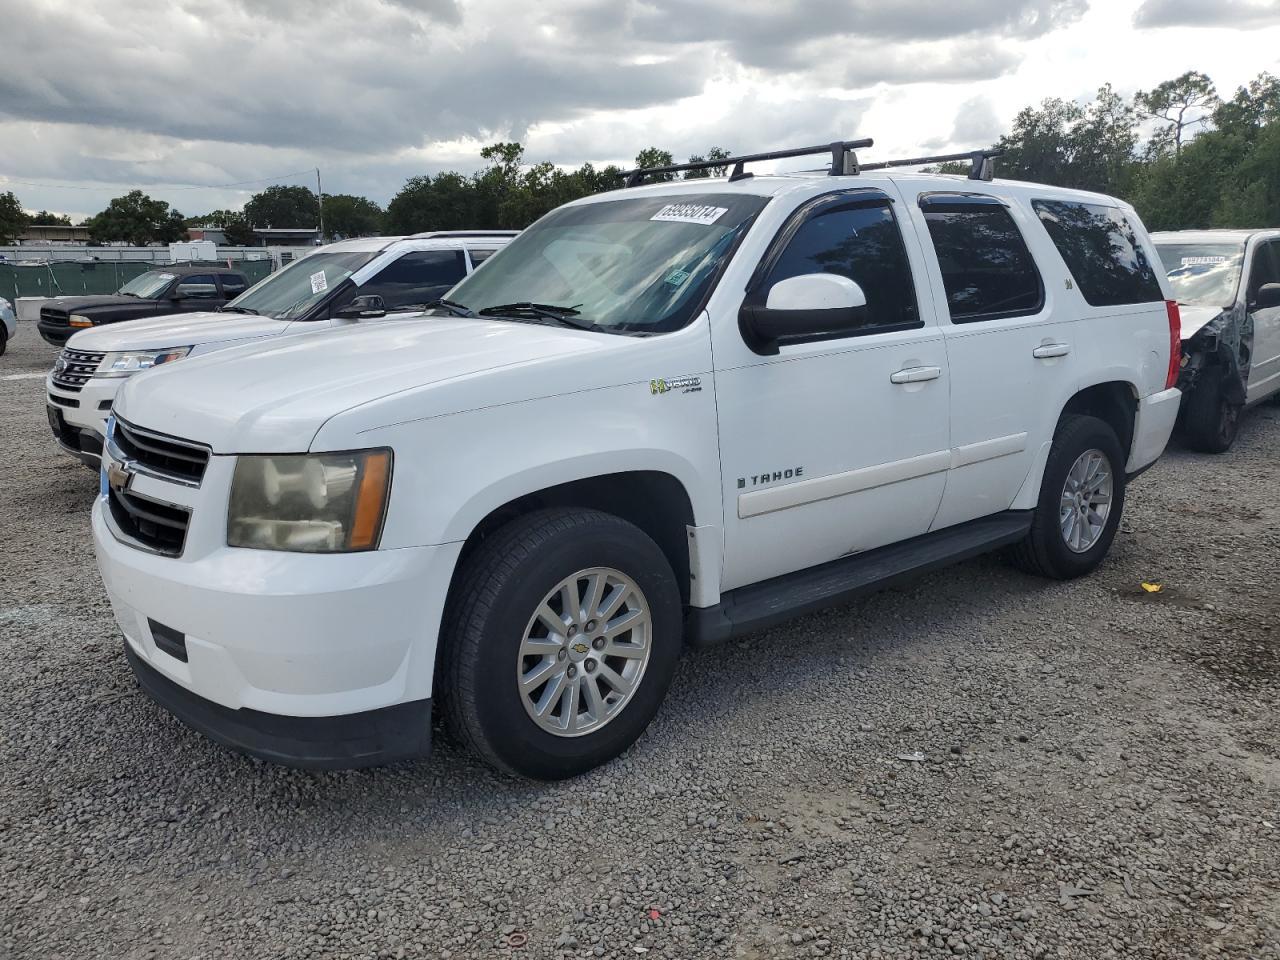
(1101, 251)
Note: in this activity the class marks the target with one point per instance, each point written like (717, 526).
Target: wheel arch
(1115, 402)
(655, 501)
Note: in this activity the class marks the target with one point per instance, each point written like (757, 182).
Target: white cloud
(170, 92)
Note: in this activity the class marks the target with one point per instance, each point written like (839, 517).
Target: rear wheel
(1081, 501)
(1211, 421)
(560, 642)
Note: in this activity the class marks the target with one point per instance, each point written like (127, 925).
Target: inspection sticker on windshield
(1197, 261)
(690, 213)
(319, 282)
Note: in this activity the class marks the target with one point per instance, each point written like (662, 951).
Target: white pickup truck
(330, 287)
(667, 414)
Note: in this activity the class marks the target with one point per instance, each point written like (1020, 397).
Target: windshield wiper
(457, 309)
(123, 294)
(226, 309)
(545, 311)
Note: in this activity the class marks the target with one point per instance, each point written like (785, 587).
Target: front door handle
(915, 375)
(1048, 350)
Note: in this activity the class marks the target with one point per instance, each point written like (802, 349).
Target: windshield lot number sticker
(319, 282)
(1201, 261)
(690, 213)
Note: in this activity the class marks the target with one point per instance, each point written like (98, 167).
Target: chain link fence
(70, 279)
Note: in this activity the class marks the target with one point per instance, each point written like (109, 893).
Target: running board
(763, 605)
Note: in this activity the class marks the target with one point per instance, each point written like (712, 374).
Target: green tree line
(1182, 154)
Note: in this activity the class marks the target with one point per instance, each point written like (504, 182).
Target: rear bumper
(1152, 427)
(399, 732)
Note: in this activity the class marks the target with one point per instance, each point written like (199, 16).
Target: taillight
(1175, 343)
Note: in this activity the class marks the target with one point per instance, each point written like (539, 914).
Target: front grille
(168, 456)
(79, 368)
(156, 526)
(54, 317)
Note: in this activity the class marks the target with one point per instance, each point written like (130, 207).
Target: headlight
(126, 363)
(79, 320)
(318, 503)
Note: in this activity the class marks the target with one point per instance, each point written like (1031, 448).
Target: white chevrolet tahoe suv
(330, 287)
(666, 414)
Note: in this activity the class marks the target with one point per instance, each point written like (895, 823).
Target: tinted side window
(1265, 268)
(986, 268)
(199, 286)
(480, 256)
(233, 284)
(864, 244)
(417, 277)
(1101, 251)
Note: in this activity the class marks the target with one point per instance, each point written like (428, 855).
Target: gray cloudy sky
(98, 96)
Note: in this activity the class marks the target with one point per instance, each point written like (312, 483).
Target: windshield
(147, 285)
(640, 264)
(289, 293)
(1203, 273)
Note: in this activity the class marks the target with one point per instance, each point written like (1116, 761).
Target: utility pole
(320, 198)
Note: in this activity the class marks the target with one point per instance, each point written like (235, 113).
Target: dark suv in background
(171, 289)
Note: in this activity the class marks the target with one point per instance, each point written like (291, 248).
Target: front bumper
(366, 739)
(1152, 427)
(275, 651)
(81, 421)
(56, 333)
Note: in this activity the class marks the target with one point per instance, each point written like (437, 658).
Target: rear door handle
(1047, 350)
(915, 375)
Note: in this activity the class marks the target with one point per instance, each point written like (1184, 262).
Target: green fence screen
(69, 279)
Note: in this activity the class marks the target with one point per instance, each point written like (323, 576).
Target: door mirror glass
(810, 305)
(1268, 296)
(368, 307)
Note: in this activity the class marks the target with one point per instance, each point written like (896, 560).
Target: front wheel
(1081, 501)
(560, 642)
(1211, 421)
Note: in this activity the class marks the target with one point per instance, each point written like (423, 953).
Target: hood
(80, 304)
(273, 397)
(1194, 317)
(177, 330)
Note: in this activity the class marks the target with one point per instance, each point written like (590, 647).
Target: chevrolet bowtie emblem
(118, 477)
(580, 647)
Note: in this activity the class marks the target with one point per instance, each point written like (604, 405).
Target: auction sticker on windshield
(690, 213)
(319, 282)
(1202, 261)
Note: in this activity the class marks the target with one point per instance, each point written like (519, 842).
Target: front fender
(451, 472)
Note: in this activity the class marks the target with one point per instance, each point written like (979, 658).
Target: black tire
(496, 594)
(1044, 551)
(4, 339)
(1211, 422)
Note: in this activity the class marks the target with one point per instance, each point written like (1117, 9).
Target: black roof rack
(982, 168)
(843, 161)
(462, 234)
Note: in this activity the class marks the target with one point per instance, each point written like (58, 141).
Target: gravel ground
(1098, 771)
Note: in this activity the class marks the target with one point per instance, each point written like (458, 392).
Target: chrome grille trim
(158, 455)
(79, 367)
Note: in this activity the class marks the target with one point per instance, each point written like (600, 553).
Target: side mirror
(368, 307)
(1268, 296)
(810, 305)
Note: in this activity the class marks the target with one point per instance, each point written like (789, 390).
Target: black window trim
(949, 201)
(836, 200)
